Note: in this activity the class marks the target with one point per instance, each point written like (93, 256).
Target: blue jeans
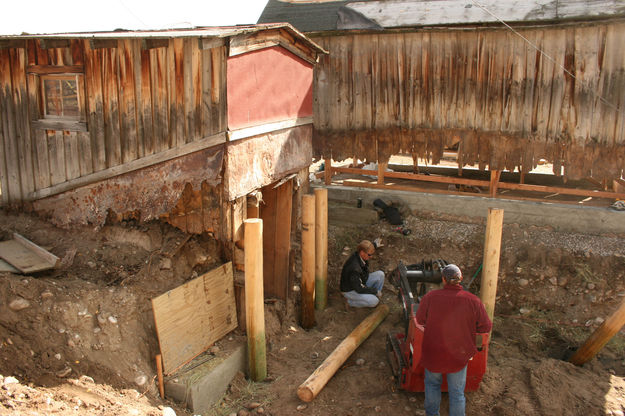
(366, 300)
(455, 387)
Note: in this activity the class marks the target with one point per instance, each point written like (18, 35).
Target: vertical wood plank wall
(138, 102)
(506, 104)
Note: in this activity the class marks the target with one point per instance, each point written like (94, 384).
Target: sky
(45, 16)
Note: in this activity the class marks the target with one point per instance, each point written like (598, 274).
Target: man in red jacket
(452, 317)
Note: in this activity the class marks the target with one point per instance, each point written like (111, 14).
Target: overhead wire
(545, 54)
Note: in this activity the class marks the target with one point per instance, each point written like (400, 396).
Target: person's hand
(378, 242)
(379, 294)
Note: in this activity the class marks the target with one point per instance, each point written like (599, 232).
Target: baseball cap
(451, 272)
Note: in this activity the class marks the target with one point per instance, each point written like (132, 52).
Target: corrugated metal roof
(201, 32)
(314, 16)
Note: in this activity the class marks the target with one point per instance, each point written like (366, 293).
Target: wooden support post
(328, 170)
(159, 374)
(600, 337)
(492, 246)
(522, 176)
(381, 170)
(254, 299)
(321, 248)
(310, 388)
(308, 261)
(494, 180)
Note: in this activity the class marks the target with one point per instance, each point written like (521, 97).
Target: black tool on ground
(391, 214)
(404, 349)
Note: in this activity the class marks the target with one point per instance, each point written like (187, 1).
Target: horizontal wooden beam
(266, 128)
(560, 190)
(130, 166)
(103, 43)
(64, 125)
(210, 43)
(154, 43)
(54, 43)
(55, 69)
(486, 184)
(12, 43)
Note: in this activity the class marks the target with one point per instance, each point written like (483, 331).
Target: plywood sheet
(26, 256)
(191, 317)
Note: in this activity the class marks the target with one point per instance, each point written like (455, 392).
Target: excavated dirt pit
(83, 342)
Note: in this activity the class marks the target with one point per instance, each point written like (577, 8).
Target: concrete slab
(207, 379)
(341, 213)
(562, 217)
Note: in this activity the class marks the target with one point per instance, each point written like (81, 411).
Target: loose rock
(360, 361)
(301, 407)
(523, 282)
(168, 411)
(253, 405)
(19, 304)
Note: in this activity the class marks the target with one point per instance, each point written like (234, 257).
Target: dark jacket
(355, 274)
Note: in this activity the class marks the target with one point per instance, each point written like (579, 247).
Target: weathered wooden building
(417, 76)
(181, 125)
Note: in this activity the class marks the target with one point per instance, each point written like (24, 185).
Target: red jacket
(452, 317)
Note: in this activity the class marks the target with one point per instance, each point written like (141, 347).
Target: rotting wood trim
(59, 125)
(154, 43)
(210, 43)
(54, 43)
(55, 69)
(243, 44)
(103, 43)
(12, 43)
(246, 132)
(130, 166)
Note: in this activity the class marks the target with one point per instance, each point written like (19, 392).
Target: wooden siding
(138, 102)
(504, 103)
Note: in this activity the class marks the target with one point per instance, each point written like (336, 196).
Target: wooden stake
(494, 181)
(597, 340)
(254, 299)
(321, 248)
(492, 246)
(381, 170)
(308, 261)
(310, 388)
(159, 373)
(328, 170)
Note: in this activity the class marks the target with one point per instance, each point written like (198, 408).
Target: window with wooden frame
(61, 98)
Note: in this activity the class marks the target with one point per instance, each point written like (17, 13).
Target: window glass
(61, 97)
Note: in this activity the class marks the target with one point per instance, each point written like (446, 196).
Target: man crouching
(361, 288)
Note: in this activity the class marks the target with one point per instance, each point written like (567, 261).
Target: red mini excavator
(404, 350)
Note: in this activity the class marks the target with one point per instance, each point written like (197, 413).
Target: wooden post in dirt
(321, 248)
(494, 181)
(308, 261)
(492, 246)
(381, 170)
(310, 388)
(254, 299)
(159, 374)
(600, 337)
(327, 163)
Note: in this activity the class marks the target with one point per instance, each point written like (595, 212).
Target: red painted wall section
(268, 85)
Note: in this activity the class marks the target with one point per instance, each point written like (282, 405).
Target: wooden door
(275, 211)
